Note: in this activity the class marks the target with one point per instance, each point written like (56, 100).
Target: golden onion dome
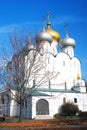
(55, 35)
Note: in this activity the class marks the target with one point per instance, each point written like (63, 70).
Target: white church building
(56, 77)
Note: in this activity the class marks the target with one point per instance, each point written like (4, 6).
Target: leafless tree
(26, 71)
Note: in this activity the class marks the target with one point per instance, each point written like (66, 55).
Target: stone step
(43, 117)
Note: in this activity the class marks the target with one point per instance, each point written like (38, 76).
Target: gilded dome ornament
(78, 77)
(54, 34)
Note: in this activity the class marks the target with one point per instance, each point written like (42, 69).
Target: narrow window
(63, 63)
(75, 100)
(48, 60)
(49, 84)
(74, 64)
(64, 100)
(65, 85)
(34, 83)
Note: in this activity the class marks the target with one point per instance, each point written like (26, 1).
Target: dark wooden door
(42, 107)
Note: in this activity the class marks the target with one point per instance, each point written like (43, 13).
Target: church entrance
(42, 107)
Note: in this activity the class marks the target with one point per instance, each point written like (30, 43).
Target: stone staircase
(39, 117)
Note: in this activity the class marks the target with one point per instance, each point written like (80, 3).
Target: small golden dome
(54, 34)
(78, 77)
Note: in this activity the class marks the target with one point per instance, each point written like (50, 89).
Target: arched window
(75, 100)
(63, 63)
(64, 100)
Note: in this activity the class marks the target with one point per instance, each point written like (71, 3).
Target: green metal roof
(56, 90)
(36, 93)
(49, 91)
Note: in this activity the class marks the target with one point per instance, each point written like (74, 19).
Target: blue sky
(16, 14)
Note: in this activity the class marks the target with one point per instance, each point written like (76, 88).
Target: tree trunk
(20, 112)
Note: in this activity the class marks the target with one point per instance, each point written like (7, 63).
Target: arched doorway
(42, 107)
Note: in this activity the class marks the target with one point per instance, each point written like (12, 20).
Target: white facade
(61, 74)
